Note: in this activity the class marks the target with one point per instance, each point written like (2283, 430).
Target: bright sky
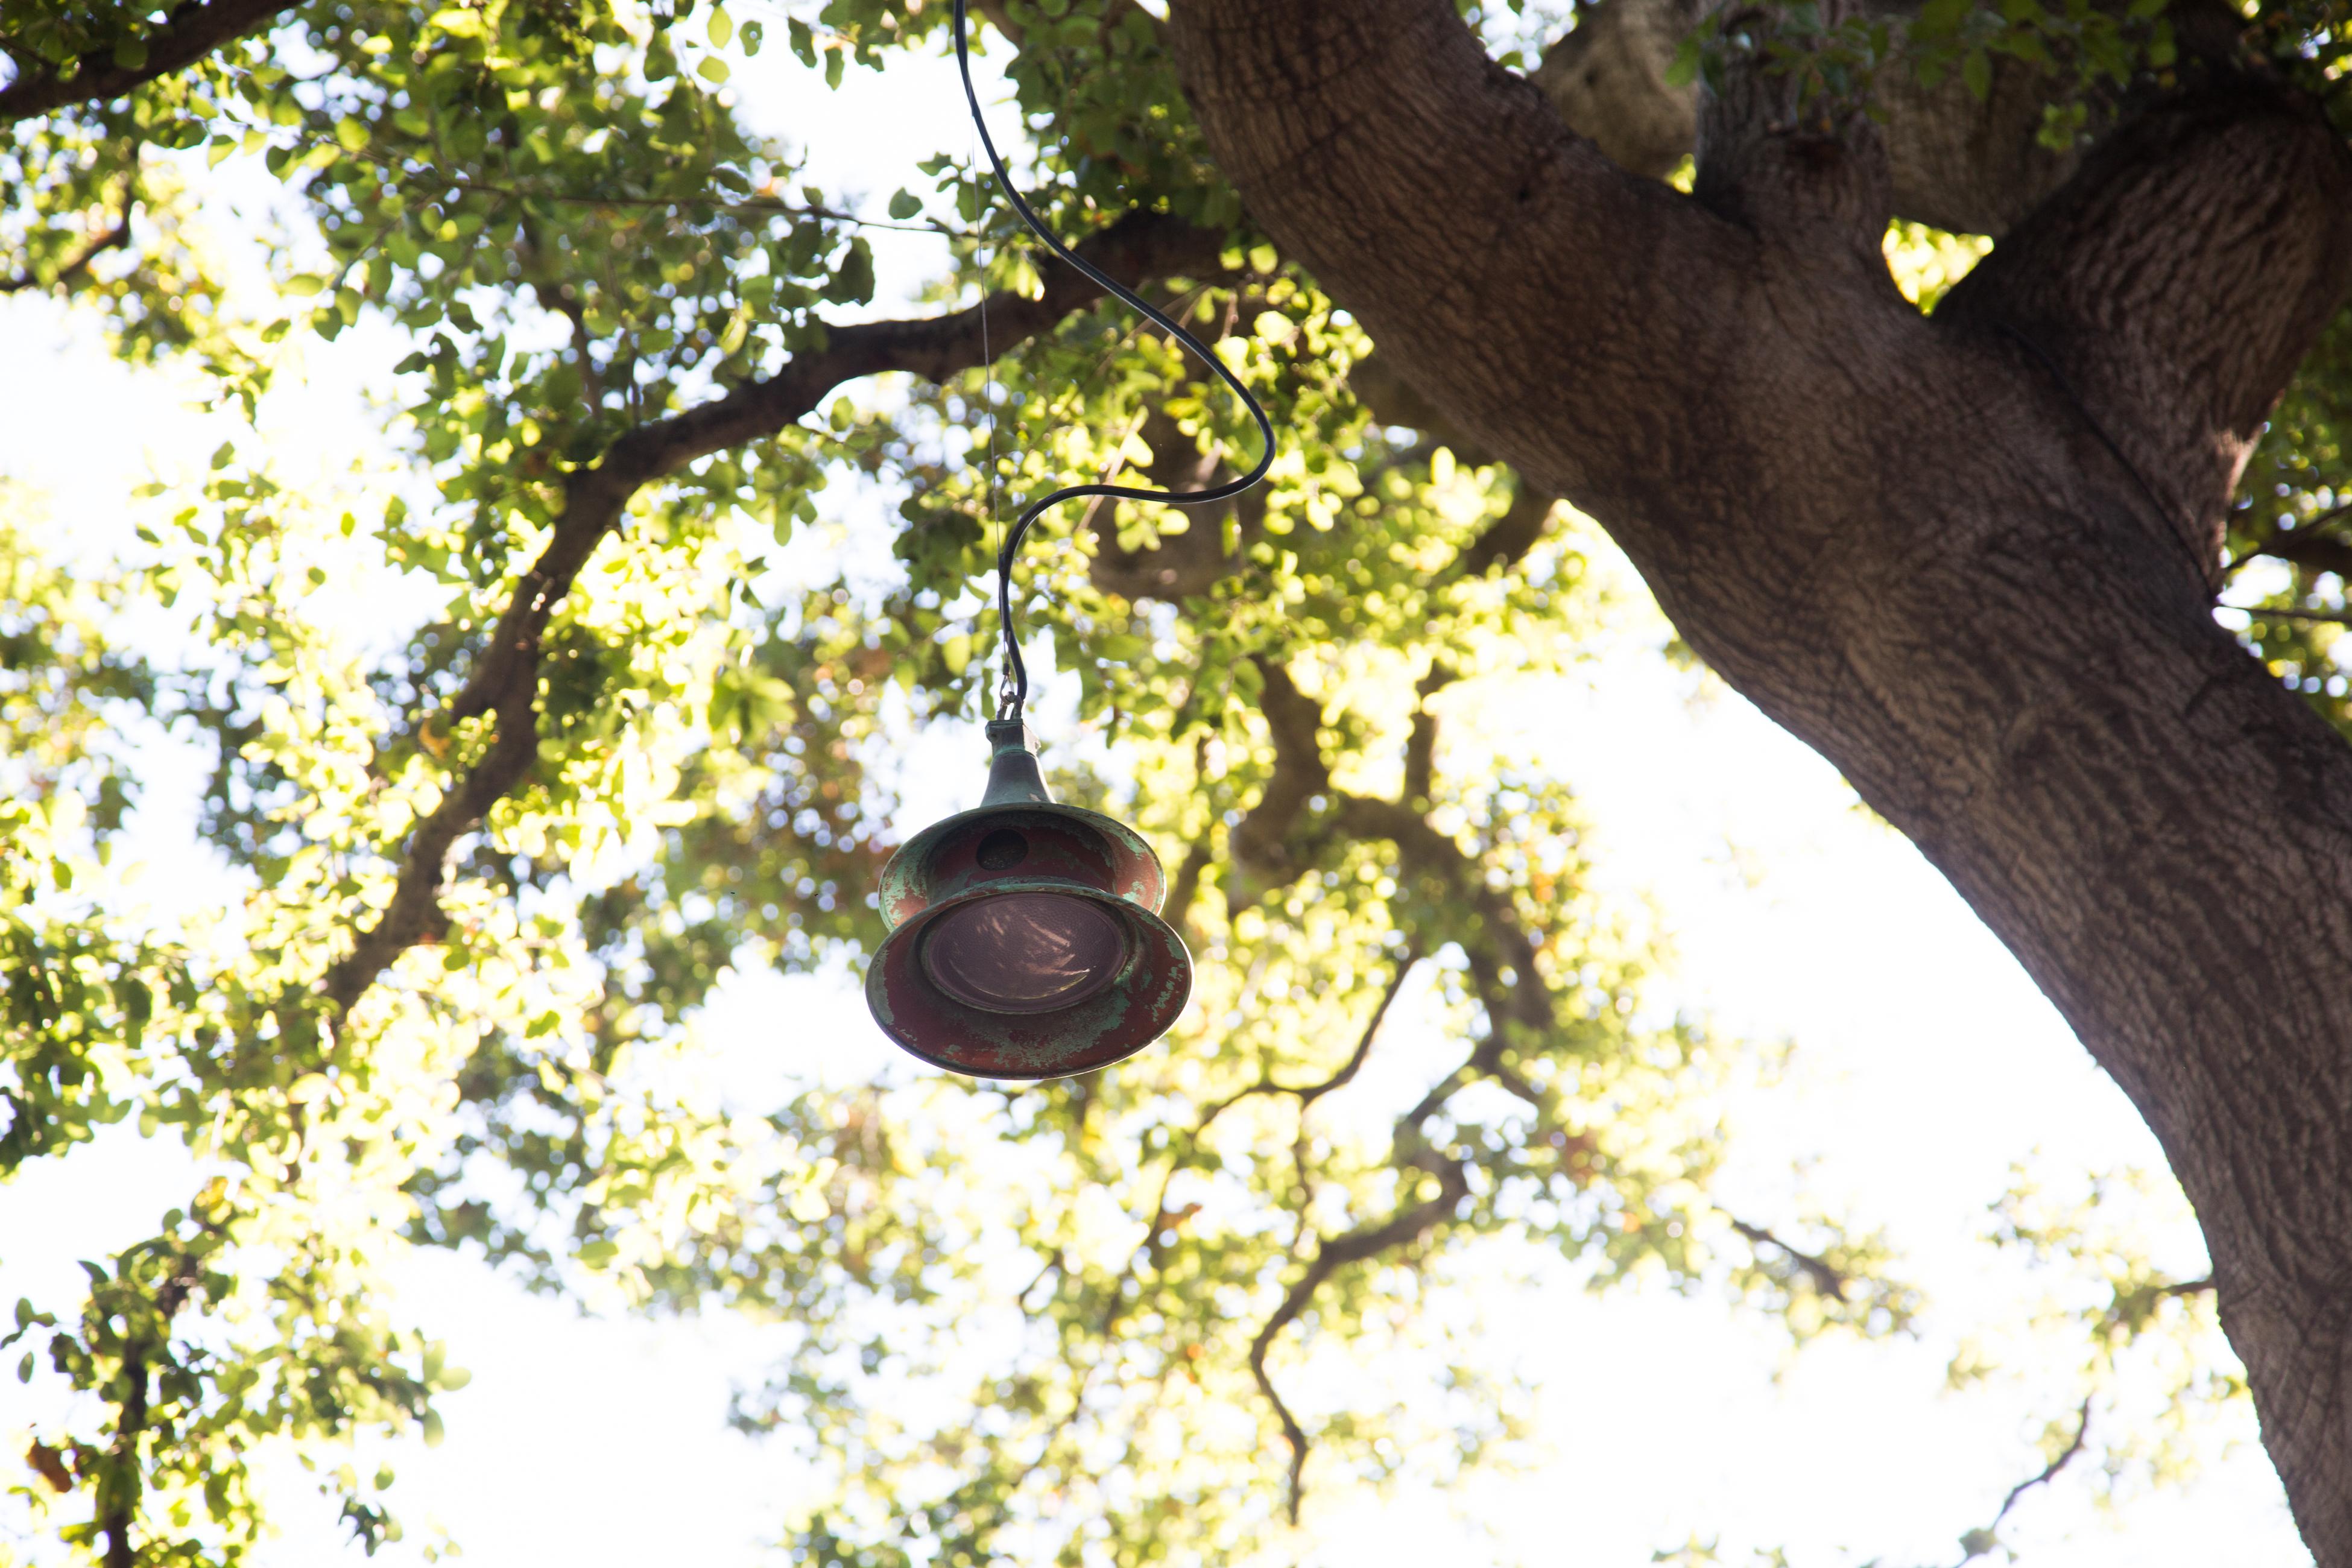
(1926, 1064)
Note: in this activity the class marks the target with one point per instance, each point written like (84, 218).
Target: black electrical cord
(1016, 689)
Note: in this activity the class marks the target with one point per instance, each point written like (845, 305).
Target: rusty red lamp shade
(1025, 938)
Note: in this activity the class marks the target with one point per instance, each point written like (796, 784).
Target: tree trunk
(1966, 558)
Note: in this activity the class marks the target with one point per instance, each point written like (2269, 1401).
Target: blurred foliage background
(606, 736)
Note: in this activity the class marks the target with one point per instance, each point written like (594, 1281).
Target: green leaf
(853, 281)
(1683, 69)
(1976, 72)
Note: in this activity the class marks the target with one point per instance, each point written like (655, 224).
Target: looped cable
(1015, 690)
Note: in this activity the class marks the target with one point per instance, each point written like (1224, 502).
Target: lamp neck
(1012, 775)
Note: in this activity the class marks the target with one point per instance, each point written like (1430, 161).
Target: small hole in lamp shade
(1026, 953)
(1001, 850)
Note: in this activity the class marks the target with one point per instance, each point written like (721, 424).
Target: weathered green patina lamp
(1025, 938)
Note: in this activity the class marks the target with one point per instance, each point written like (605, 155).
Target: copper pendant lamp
(1025, 939)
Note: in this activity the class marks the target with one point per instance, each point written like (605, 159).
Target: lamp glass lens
(1024, 952)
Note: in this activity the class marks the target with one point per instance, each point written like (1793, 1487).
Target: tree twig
(1309, 1093)
(114, 238)
(1981, 1542)
(2325, 617)
(2281, 542)
(1365, 1242)
(1827, 1279)
(117, 1503)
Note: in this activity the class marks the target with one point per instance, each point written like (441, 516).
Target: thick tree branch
(1260, 843)
(190, 33)
(1607, 76)
(1393, 400)
(1186, 885)
(1441, 195)
(504, 683)
(1500, 950)
(1270, 847)
(1421, 743)
(1510, 536)
(2181, 360)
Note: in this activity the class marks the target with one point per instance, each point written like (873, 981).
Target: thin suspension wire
(987, 356)
(1016, 688)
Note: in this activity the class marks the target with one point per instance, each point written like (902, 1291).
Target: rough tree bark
(1964, 557)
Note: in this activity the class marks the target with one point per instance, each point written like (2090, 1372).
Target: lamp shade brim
(1112, 1019)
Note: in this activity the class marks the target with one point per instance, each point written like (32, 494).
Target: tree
(1972, 559)
(490, 876)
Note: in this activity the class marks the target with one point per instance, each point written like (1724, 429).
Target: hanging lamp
(1025, 936)
(1025, 939)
